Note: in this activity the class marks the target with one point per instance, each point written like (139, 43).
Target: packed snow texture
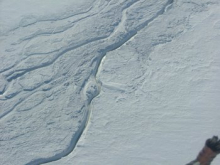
(95, 82)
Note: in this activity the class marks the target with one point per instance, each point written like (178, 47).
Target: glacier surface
(96, 82)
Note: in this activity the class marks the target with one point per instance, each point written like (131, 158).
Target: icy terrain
(113, 82)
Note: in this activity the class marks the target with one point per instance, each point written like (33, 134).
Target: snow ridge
(92, 86)
(74, 83)
(35, 58)
(103, 52)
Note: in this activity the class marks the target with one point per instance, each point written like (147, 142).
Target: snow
(108, 82)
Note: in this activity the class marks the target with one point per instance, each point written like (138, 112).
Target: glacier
(108, 81)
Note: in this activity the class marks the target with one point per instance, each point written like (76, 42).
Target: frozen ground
(114, 82)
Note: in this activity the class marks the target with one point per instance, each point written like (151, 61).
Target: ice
(108, 82)
(3, 83)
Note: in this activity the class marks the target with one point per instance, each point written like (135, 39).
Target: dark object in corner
(214, 144)
(208, 153)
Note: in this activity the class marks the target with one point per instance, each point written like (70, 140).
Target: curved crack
(20, 72)
(126, 38)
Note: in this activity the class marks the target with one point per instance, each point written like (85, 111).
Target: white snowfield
(108, 82)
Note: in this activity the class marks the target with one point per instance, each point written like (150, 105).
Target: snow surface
(96, 82)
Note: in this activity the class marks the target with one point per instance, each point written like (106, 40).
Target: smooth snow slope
(153, 68)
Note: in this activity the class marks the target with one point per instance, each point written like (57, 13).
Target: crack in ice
(126, 37)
